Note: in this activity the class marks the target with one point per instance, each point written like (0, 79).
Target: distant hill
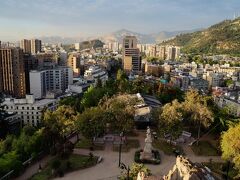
(142, 38)
(91, 44)
(221, 38)
(116, 36)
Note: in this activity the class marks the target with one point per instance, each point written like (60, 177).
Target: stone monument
(147, 151)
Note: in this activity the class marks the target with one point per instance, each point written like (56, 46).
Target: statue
(148, 142)
(147, 151)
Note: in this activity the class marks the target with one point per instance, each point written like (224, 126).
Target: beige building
(25, 44)
(12, 74)
(74, 63)
(172, 52)
(131, 54)
(36, 46)
(127, 65)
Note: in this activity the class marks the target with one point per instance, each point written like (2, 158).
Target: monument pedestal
(146, 156)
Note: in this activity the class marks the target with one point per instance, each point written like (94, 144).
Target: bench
(186, 134)
(167, 136)
(99, 159)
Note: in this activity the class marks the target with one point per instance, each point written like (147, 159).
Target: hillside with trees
(221, 38)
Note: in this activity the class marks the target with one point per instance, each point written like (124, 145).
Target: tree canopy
(230, 145)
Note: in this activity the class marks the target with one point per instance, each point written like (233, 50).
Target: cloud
(102, 16)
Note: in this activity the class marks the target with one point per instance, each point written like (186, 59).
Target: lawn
(87, 144)
(74, 162)
(204, 148)
(221, 169)
(131, 143)
(166, 147)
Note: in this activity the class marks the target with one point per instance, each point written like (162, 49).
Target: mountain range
(118, 36)
(221, 38)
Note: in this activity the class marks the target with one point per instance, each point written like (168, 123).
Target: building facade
(25, 45)
(50, 80)
(131, 54)
(29, 109)
(12, 74)
(36, 46)
(74, 63)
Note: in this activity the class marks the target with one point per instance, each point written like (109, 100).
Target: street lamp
(120, 149)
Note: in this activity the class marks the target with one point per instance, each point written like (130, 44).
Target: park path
(190, 154)
(108, 168)
(33, 168)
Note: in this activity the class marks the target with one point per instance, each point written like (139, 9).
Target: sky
(83, 18)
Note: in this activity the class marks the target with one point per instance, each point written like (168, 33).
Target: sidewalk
(33, 168)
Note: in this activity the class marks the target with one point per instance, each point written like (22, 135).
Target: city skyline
(28, 19)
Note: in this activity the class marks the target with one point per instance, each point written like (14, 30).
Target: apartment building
(36, 46)
(74, 62)
(50, 80)
(131, 54)
(25, 45)
(29, 109)
(12, 74)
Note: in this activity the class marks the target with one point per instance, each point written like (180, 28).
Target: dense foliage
(112, 114)
(230, 145)
(192, 111)
(15, 150)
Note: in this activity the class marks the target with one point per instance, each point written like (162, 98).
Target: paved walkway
(190, 154)
(33, 168)
(108, 169)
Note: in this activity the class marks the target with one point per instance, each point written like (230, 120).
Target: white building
(77, 46)
(94, 73)
(29, 109)
(233, 105)
(55, 80)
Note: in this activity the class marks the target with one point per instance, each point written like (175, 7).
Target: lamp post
(120, 150)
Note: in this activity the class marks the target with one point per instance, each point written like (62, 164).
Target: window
(22, 107)
(32, 108)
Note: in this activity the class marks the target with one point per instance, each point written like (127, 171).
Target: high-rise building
(74, 63)
(12, 74)
(172, 52)
(161, 52)
(51, 80)
(30, 63)
(25, 45)
(131, 54)
(36, 46)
